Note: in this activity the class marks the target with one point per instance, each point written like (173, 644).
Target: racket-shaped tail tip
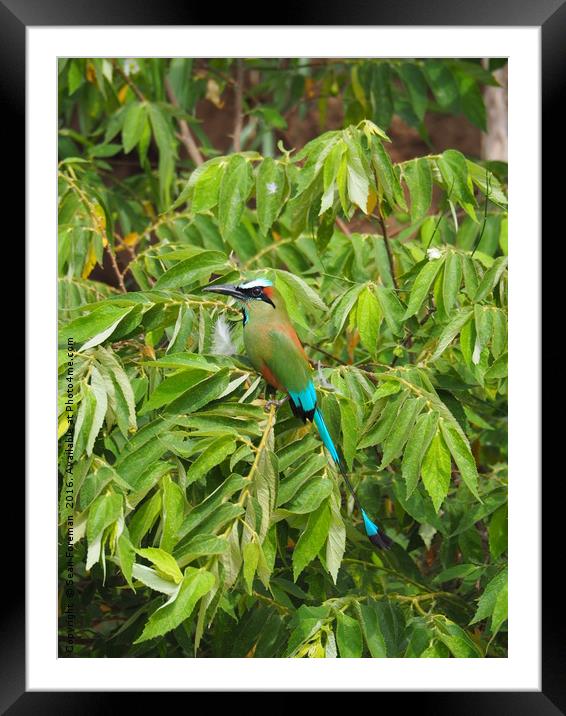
(376, 536)
(381, 540)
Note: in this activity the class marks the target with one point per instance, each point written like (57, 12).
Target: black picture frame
(550, 16)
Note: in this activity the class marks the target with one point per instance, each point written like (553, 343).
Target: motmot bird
(275, 350)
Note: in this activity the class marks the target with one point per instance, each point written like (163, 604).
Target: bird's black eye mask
(255, 293)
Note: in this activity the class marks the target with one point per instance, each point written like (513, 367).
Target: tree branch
(185, 134)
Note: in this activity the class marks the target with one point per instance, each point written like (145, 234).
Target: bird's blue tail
(376, 536)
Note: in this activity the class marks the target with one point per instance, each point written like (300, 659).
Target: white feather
(257, 282)
(222, 343)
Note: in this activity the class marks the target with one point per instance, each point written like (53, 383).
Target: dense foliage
(204, 522)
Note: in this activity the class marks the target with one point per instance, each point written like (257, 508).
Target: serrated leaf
(101, 403)
(173, 511)
(135, 119)
(421, 286)
(312, 539)
(336, 543)
(211, 456)
(190, 270)
(250, 555)
(369, 318)
(417, 445)
(271, 185)
(460, 450)
(235, 187)
(164, 562)
(196, 583)
(418, 177)
(451, 280)
(436, 470)
(451, 330)
(401, 429)
(348, 636)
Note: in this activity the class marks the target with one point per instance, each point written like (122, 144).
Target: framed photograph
(276, 274)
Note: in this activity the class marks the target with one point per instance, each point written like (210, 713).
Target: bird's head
(250, 292)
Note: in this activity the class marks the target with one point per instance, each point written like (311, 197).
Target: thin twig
(185, 135)
(135, 89)
(342, 226)
(114, 263)
(326, 353)
(271, 247)
(238, 109)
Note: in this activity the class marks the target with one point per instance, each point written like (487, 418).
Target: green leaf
(190, 270)
(101, 403)
(436, 470)
(369, 318)
(392, 308)
(312, 539)
(388, 181)
(372, 630)
(417, 445)
(422, 285)
(416, 87)
(487, 183)
(173, 387)
(401, 429)
(165, 563)
(342, 307)
(135, 119)
(452, 280)
(357, 172)
(301, 289)
(196, 583)
(237, 182)
(497, 532)
(271, 186)
(392, 626)
(165, 140)
(500, 609)
(451, 330)
(126, 556)
(105, 510)
(144, 518)
(442, 83)
(98, 325)
(201, 545)
(460, 450)
(330, 173)
(418, 177)
(385, 389)
(491, 278)
(336, 543)
(382, 100)
(173, 510)
(250, 555)
(349, 425)
(348, 636)
(456, 639)
(204, 186)
(454, 170)
(488, 600)
(216, 452)
(472, 101)
(310, 496)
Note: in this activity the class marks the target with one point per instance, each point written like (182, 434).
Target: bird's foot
(277, 403)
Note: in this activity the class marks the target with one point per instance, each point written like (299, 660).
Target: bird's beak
(226, 290)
